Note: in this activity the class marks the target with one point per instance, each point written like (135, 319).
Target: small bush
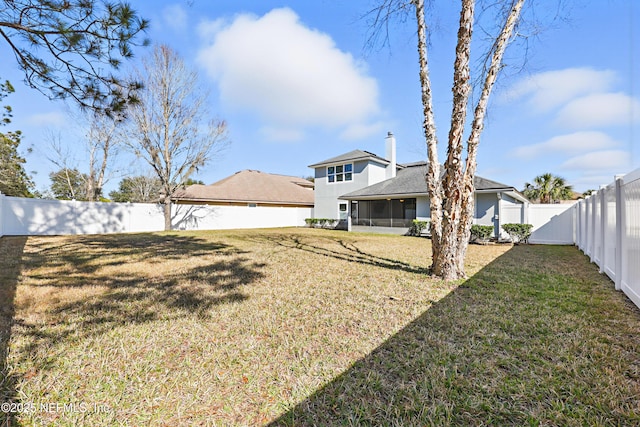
(481, 233)
(519, 233)
(417, 227)
(320, 222)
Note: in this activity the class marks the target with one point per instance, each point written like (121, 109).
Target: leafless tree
(68, 180)
(101, 139)
(451, 191)
(103, 142)
(171, 128)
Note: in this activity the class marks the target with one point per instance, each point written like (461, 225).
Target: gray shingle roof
(411, 181)
(350, 157)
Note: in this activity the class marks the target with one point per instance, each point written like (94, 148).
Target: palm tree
(548, 188)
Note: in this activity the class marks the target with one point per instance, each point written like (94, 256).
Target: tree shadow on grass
(340, 249)
(11, 249)
(510, 346)
(83, 287)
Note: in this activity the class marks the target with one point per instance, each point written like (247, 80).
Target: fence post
(620, 235)
(601, 226)
(1, 214)
(574, 220)
(588, 213)
(580, 234)
(593, 228)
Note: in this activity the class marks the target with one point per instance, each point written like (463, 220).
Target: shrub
(320, 222)
(417, 227)
(519, 233)
(481, 233)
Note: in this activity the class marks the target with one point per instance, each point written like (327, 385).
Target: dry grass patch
(310, 327)
(210, 327)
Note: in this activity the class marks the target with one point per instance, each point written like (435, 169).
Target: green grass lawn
(309, 327)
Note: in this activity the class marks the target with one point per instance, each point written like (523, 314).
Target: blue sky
(297, 85)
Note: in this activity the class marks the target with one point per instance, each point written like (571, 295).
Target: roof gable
(351, 156)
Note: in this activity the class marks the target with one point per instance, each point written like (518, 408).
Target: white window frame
(332, 172)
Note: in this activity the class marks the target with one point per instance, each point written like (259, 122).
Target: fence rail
(608, 231)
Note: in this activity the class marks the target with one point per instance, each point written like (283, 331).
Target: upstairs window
(340, 173)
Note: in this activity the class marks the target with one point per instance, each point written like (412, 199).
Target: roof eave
(384, 196)
(354, 159)
(264, 202)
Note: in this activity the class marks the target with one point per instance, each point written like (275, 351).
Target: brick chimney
(390, 143)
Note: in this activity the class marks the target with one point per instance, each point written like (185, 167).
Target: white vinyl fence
(608, 231)
(21, 216)
(552, 224)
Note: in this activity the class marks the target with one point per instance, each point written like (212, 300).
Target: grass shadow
(341, 249)
(11, 250)
(90, 291)
(513, 345)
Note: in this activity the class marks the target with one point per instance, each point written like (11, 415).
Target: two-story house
(364, 190)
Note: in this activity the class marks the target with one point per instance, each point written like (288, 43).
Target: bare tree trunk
(101, 137)
(468, 201)
(91, 179)
(434, 185)
(72, 190)
(171, 128)
(445, 263)
(167, 213)
(452, 197)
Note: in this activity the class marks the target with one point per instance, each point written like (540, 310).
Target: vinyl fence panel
(630, 192)
(609, 232)
(608, 264)
(23, 216)
(552, 224)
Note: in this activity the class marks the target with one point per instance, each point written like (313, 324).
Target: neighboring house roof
(351, 156)
(250, 186)
(410, 182)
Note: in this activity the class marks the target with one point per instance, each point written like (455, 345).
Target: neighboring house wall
(326, 193)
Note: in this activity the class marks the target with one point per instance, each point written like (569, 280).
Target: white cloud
(601, 109)
(609, 160)
(175, 17)
(361, 130)
(281, 134)
(291, 75)
(551, 89)
(53, 118)
(571, 144)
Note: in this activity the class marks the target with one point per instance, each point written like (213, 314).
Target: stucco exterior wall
(423, 211)
(486, 204)
(327, 193)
